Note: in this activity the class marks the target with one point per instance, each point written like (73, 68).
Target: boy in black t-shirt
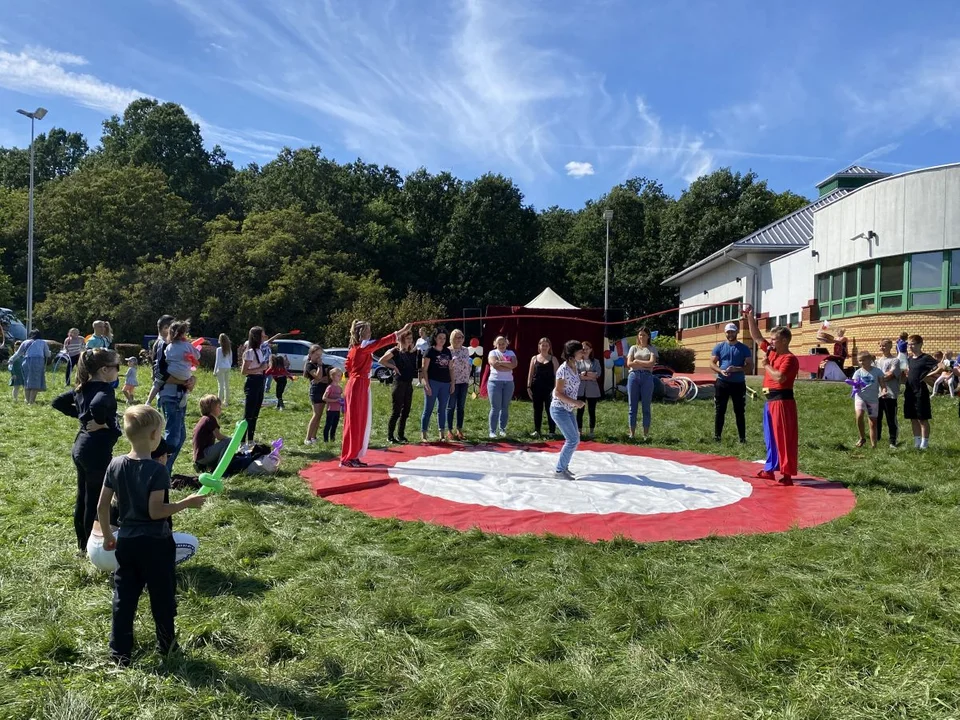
(916, 395)
(145, 550)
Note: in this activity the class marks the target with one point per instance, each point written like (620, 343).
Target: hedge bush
(680, 360)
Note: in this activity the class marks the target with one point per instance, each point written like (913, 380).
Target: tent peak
(549, 300)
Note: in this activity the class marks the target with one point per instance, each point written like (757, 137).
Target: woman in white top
(222, 368)
(640, 360)
(500, 385)
(564, 402)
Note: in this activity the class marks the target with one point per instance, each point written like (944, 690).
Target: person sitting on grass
(916, 394)
(946, 374)
(866, 401)
(145, 550)
(106, 560)
(209, 443)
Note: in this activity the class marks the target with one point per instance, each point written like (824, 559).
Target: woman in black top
(437, 383)
(541, 379)
(403, 360)
(93, 403)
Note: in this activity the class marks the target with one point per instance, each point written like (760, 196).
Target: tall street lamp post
(37, 114)
(608, 217)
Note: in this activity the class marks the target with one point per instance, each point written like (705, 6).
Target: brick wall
(940, 330)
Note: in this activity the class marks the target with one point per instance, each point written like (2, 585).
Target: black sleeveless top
(544, 376)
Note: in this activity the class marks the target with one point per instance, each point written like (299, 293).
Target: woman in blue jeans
(460, 372)
(640, 359)
(437, 383)
(500, 385)
(565, 391)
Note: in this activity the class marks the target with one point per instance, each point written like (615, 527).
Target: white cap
(731, 328)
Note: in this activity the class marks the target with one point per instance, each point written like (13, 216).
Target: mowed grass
(296, 608)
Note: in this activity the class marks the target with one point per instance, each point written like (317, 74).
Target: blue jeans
(439, 394)
(500, 393)
(567, 424)
(175, 429)
(458, 401)
(639, 390)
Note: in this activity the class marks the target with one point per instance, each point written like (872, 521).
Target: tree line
(150, 221)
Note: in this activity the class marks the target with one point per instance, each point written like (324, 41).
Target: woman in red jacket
(359, 403)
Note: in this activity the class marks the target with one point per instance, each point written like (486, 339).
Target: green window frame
(928, 278)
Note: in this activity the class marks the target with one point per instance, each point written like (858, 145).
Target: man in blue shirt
(731, 360)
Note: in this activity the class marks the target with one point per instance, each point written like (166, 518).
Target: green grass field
(296, 608)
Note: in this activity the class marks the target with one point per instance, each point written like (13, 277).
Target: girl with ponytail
(359, 403)
(93, 403)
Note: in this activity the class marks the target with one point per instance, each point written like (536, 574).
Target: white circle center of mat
(606, 482)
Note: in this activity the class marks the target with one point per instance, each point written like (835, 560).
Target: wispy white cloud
(892, 97)
(41, 71)
(657, 146)
(876, 153)
(46, 72)
(578, 169)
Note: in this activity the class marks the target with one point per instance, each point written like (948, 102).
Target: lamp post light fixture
(608, 217)
(37, 114)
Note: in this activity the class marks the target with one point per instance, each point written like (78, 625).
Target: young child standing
(333, 397)
(15, 366)
(867, 400)
(222, 368)
(130, 383)
(279, 370)
(145, 550)
(916, 395)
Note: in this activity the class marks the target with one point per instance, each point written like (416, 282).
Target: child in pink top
(333, 399)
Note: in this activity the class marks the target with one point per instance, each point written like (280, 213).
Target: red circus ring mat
(642, 493)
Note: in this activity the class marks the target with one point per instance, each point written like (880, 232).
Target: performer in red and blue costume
(780, 429)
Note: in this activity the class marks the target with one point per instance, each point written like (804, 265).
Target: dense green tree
(489, 256)
(114, 216)
(164, 136)
(56, 153)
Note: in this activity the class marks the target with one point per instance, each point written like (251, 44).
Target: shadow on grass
(199, 673)
(266, 497)
(891, 486)
(212, 581)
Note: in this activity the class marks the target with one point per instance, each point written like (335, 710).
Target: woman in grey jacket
(589, 369)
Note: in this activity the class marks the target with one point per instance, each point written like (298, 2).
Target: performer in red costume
(780, 411)
(359, 403)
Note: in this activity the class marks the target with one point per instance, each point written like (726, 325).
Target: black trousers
(330, 426)
(281, 383)
(591, 408)
(542, 397)
(144, 561)
(888, 411)
(402, 396)
(253, 388)
(91, 456)
(737, 392)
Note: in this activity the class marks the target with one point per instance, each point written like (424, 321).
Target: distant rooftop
(852, 177)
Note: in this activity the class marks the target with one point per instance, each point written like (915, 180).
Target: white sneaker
(493, 436)
(311, 441)
(565, 474)
(503, 433)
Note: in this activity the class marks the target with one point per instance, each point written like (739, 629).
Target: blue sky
(567, 97)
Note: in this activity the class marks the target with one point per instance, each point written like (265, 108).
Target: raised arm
(751, 321)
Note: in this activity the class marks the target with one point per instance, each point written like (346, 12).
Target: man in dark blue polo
(731, 360)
